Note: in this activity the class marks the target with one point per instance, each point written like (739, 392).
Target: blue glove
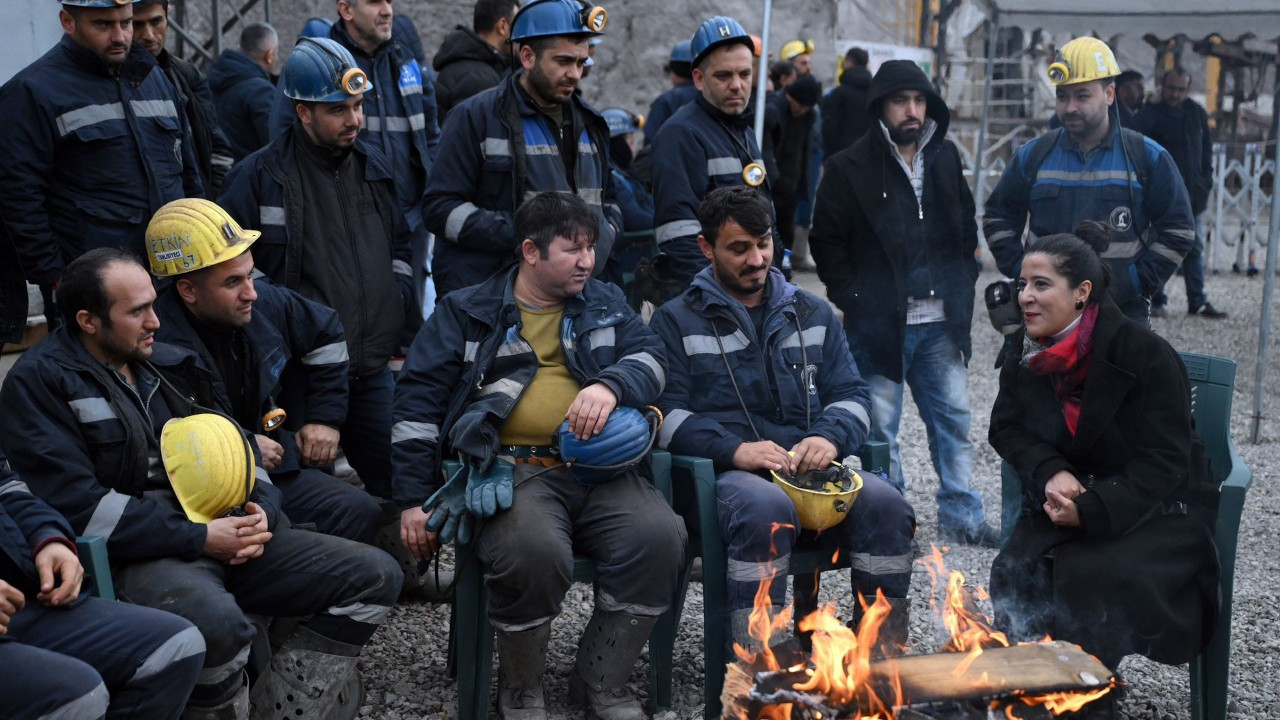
(448, 516)
(492, 491)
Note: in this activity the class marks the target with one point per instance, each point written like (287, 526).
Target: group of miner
(236, 271)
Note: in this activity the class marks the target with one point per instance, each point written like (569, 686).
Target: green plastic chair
(806, 565)
(1212, 383)
(472, 636)
(97, 570)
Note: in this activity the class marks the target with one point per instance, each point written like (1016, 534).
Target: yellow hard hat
(1082, 60)
(191, 233)
(822, 497)
(209, 463)
(796, 47)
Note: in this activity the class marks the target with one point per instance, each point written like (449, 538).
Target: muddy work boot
(894, 636)
(310, 678)
(522, 656)
(235, 707)
(422, 580)
(606, 655)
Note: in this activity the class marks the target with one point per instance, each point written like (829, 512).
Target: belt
(543, 455)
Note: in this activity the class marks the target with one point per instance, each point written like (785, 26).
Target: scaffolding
(203, 51)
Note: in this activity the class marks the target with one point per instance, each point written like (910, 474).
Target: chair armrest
(97, 568)
(875, 457)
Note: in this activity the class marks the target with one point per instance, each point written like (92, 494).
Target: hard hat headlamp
(753, 174)
(273, 419)
(594, 17)
(354, 81)
(1060, 70)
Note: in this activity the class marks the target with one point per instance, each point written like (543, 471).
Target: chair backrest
(1212, 381)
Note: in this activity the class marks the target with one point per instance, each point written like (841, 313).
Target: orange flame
(970, 631)
(840, 663)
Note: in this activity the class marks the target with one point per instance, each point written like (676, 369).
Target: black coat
(465, 65)
(844, 111)
(242, 95)
(865, 210)
(13, 290)
(1184, 132)
(1141, 575)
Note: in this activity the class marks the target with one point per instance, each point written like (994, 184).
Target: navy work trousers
(366, 435)
(624, 524)
(348, 587)
(875, 536)
(97, 659)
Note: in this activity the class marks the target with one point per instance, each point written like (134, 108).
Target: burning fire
(840, 666)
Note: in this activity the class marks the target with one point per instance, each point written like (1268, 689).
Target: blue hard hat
(316, 27)
(321, 70)
(546, 18)
(682, 52)
(97, 3)
(715, 32)
(627, 436)
(622, 121)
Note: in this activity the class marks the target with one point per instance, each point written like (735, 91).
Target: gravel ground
(404, 666)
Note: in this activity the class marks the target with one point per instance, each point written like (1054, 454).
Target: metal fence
(1237, 219)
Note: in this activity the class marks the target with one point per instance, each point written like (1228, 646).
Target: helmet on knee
(321, 70)
(210, 465)
(822, 497)
(627, 437)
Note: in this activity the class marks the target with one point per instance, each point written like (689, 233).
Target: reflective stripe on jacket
(459, 379)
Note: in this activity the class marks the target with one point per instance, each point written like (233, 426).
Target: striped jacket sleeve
(41, 433)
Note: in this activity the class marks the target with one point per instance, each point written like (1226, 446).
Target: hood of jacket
(898, 75)
(857, 77)
(707, 294)
(462, 43)
(232, 67)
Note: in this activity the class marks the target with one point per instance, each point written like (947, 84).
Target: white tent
(1231, 19)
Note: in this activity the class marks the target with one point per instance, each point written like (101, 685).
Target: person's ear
(708, 250)
(529, 252)
(186, 290)
(1082, 293)
(527, 56)
(88, 322)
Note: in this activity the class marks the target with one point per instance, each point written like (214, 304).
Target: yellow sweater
(536, 417)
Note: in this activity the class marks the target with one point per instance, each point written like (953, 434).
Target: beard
(735, 282)
(908, 136)
(544, 89)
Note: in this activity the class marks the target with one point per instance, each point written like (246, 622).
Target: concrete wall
(640, 33)
(30, 28)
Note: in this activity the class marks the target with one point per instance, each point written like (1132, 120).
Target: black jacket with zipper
(868, 227)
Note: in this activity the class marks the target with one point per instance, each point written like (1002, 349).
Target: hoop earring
(1079, 304)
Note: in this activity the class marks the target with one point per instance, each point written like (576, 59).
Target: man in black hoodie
(894, 236)
(844, 110)
(473, 60)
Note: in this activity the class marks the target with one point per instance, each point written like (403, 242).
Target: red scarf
(1066, 362)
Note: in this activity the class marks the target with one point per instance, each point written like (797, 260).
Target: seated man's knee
(226, 631)
(755, 511)
(42, 683)
(881, 510)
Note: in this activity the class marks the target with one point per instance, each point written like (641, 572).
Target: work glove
(491, 491)
(447, 512)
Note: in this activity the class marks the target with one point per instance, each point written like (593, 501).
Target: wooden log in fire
(999, 674)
